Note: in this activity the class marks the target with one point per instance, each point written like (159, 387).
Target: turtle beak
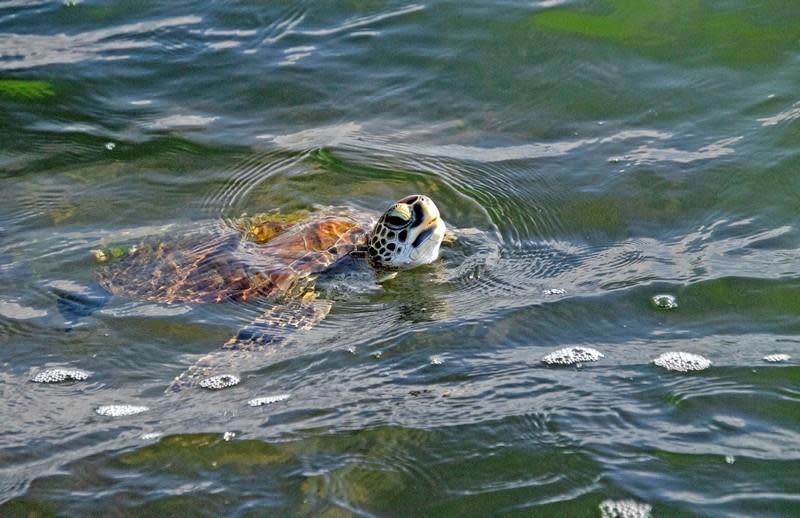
(429, 238)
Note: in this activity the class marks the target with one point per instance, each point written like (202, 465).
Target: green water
(593, 155)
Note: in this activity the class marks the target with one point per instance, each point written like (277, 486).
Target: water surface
(594, 154)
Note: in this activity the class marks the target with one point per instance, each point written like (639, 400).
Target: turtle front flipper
(247, 349)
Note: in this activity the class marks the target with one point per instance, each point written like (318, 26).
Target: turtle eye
(395, 221)
(398, 216)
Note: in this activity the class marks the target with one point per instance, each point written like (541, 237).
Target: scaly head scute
(407, 235)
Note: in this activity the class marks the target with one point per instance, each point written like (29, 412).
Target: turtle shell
(225, 263)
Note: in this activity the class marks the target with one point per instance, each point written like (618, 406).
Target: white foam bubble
(682, 362)
(554, 291)
(572, 355)
(59, 375)
(775, 358)
(437, 360)
(665, 301)
(220, 382)
(121, 410)
(152, 435)
(268, 400)
(625, 509)
(227, 436)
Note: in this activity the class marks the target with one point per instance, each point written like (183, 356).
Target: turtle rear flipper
(247, 350)
(76, 303)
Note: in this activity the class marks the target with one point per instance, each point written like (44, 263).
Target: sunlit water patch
(21, 51)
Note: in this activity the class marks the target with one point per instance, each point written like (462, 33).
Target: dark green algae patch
(205, 458)
(186, 454)
(341, 474)
(668, 29)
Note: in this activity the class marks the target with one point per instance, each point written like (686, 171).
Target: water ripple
(580, 183)
(649, 155)
(363, 21)
(789, 115)
(249, 175)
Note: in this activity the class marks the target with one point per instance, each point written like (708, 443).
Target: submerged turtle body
(230, 264)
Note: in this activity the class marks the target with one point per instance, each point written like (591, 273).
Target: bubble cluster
(227, 436)
(151, 435)
(682, 362)
(625, 509)
(554, 291)
(268, 400)
(775, 358)
(220, 382)
(572, 355)
(120, 410)
(437, 360)
(665, 301)
(59, 375)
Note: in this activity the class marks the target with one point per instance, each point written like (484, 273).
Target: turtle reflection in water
(276, 258)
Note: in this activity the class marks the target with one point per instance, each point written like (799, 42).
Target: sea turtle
(275, 258)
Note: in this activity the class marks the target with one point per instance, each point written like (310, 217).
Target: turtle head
(407, 235)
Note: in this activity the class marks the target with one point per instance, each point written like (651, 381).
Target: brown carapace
(223, 264)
